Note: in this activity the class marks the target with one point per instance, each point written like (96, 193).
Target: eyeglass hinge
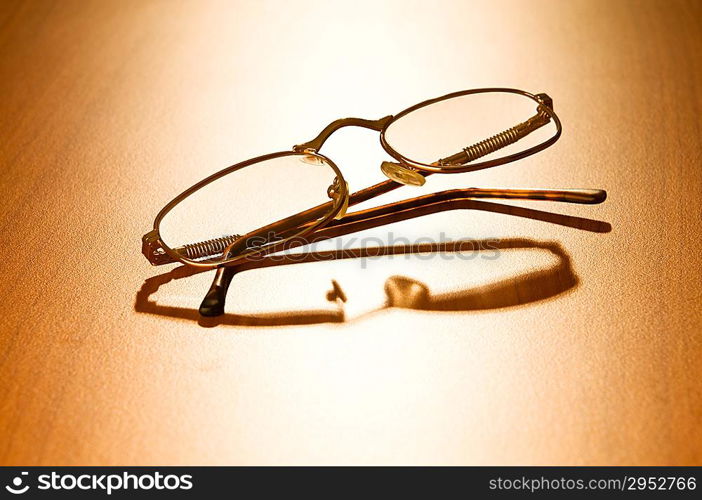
(545, 99)
(152, 249)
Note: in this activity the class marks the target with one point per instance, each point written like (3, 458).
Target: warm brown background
(108, 109)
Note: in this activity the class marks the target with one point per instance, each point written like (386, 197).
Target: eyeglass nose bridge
(317, 143)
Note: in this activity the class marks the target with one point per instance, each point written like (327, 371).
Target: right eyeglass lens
(470, 128)
(262, 203)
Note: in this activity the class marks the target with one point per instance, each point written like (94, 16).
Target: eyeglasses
(291, 198)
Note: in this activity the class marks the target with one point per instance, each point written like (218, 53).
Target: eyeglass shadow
(401, 291)
(532, 287)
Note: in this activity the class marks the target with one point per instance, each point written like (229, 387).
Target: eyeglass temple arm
(293, 224)
(455, 199)
(580, 196)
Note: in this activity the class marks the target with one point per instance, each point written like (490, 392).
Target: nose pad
(402, 174)
(311, 159)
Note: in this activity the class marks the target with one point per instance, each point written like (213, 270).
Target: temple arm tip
(213, 303)
(593, 196)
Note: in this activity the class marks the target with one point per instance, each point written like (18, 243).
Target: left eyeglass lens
(249, 202)
(470, 128)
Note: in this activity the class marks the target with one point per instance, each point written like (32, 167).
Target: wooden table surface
(580, 344)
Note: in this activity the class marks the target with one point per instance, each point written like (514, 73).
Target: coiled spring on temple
(207, 248)
(504, 139)
(491, 144)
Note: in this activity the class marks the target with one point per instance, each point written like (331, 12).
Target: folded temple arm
(289, 227)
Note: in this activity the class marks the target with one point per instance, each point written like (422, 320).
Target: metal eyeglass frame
(331, 220)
